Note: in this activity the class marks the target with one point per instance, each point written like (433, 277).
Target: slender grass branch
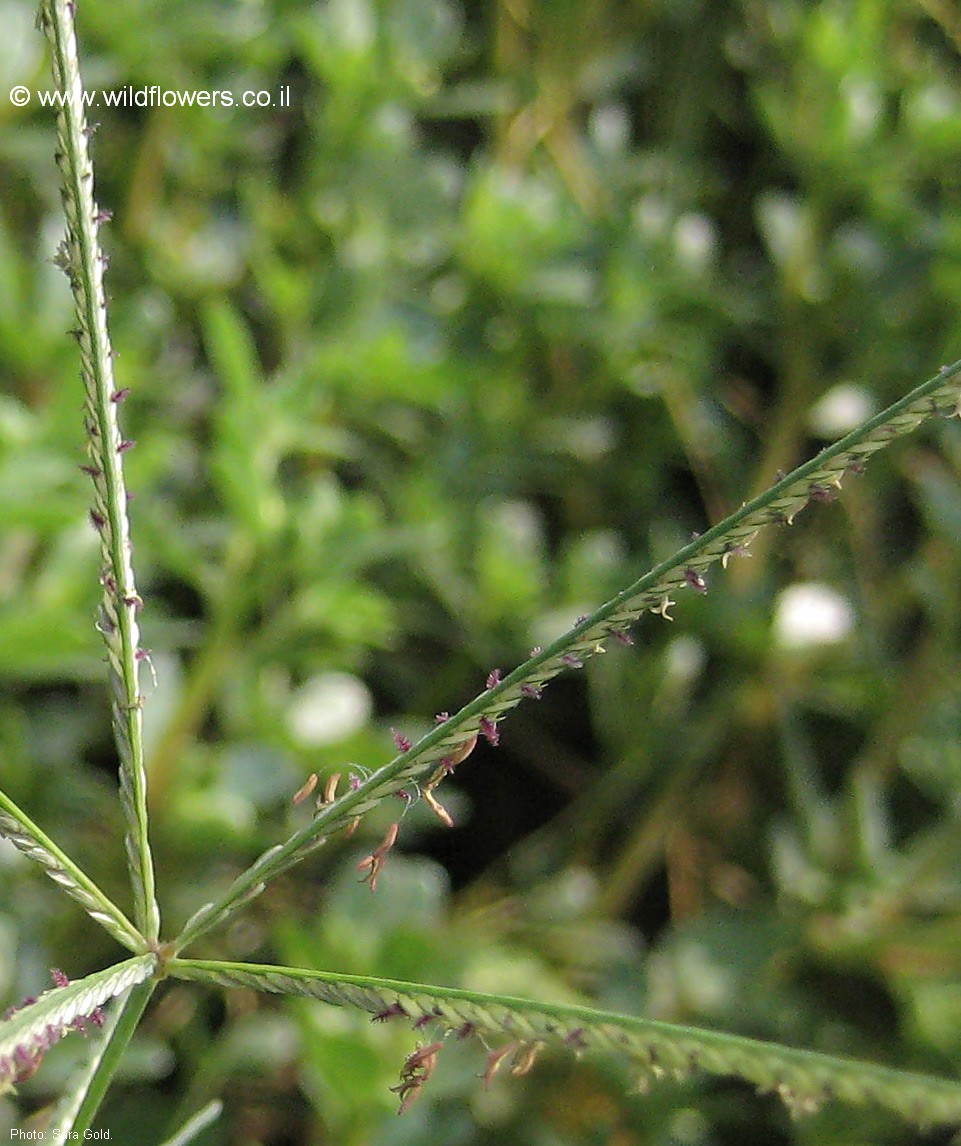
(818, 479)
(29, 1031)
(804, 1080)
(24, 834)
(82, 259)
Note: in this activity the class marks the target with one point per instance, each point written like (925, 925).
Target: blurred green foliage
(508, 300)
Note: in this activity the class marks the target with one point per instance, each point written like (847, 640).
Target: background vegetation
(511, 299)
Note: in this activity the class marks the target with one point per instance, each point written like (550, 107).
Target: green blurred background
(508, 301)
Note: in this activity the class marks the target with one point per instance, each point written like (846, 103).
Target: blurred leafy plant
(803, 1080)
(531, 278)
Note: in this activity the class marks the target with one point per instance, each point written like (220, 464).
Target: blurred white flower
(840, 410)
(328, 708)
(811, 614)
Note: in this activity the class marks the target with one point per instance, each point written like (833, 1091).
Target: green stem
(77, 1113)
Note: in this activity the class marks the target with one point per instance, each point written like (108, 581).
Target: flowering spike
(438, 808)
(494, 1060)
(374, 863)
(402, 742)
(524, 1057)
(26, 1057)
(695, 580)
(394, 1011)
(417, 1069)
(736, 549)
(408, 798)
(305, 789)
(826, 492)
(661, 610)
(144, 655)
(460, 753)
(61, 260)
(489, 731)
(330, 788)
(26, 1064)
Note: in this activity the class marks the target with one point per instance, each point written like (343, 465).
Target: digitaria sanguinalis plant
(509, 1032)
